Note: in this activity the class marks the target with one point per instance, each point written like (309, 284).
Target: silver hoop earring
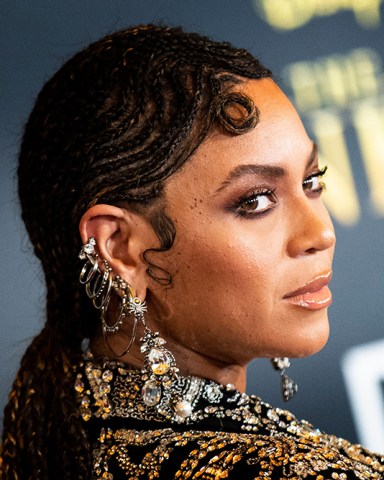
(98, 287)
(88, 272)
(287, 385)
(125, 294)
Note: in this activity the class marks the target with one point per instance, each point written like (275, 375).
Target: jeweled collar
(108, 389)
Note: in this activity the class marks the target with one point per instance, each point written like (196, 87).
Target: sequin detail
(226, 434)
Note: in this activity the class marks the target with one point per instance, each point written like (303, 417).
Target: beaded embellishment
(226, 435)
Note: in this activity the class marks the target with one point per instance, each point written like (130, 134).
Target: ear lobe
(119, 242)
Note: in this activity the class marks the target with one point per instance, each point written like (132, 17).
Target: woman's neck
(188, 361)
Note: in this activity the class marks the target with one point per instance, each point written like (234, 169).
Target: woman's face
(254, 242)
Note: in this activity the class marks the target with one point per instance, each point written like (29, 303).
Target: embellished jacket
(216, 433)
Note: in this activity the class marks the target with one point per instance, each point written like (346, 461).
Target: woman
(203, 244)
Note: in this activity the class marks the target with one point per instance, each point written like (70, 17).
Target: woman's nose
(311, 228)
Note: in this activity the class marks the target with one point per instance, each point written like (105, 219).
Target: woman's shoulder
(166, 453)
(228, 434)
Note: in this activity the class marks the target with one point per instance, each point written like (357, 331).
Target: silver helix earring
(97, 284)
(287, 385)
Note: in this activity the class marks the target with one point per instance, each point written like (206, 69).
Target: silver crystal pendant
(159, 361)
(151, 393)
(288, 388)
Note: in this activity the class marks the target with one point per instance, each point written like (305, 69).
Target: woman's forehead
(277, 135)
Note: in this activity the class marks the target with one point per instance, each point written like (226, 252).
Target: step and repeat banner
(328, 56)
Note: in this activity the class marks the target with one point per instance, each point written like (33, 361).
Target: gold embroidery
(267, 443)
(214, 455)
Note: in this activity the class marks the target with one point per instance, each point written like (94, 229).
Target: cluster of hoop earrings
(99, 285)
(160, 371)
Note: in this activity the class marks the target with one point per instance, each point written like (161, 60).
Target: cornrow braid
(111, 126)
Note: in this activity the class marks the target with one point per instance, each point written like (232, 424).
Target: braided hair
(111, 126)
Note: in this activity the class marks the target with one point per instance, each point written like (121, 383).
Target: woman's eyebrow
(251, 169)
(270, 171)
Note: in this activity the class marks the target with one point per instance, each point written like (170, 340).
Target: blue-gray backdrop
(328, 56)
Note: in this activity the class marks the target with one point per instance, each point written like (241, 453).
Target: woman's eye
(257, 203)
(313, 183)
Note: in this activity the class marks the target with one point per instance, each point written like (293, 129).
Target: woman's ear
(122, 237)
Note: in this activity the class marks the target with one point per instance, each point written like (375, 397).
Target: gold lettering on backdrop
(337, 93)
(340, 196)
(336, 80)
(369, 122)
(293, 14)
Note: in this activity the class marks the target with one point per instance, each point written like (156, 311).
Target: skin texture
(245, 238)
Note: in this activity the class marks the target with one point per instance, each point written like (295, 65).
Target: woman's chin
(312, 345)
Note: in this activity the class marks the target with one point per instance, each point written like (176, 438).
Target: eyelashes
(256, 204)
(262, 201)
(313, 182)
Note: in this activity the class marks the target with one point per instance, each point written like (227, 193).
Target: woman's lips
(314, 295)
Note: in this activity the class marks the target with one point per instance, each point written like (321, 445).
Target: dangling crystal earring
(287, 385)
(160, 373)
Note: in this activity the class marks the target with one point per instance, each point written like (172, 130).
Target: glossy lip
(314, 295)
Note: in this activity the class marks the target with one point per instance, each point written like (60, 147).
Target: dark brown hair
(111, 126)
